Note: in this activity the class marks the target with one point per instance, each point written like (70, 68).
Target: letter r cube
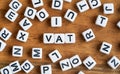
(88, 35)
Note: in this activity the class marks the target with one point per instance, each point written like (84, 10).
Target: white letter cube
(11, 15)
(114, 62)
(56, 21)
(55, 56)
(70, 38)
(6, 70)
(118, 24)
(75, 61)
(42, 14)
(57, 4)
(81, 72)
(101, 21)
(37, 53)
(5, 34)
(108, 8)
(46, 69)
(2, 45)
(15, 5)
(68, 1)
(94, 3)
(37, 3)
(17, 51)
(88, 35)
(22, 36)
(30, 12)
(48, 38)
(15, 67)
(70, 15)
(82, 6)
(65, 64)
(27, 66)
(59, 38)
(106, 48)
(25, 23)
(89, 62)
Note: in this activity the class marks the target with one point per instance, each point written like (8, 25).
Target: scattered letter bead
(57, 4)
(11, 15)
(94, 3)
(81, 72)
(75, 61)
(27, 66)
(55, 56)
(22, 36)
(46, 69)
(108, 8)
(68, 1)
(101, 21)
(82, 6)
(37, 3)
(42, 14)
(25, 23)
(106, 48)
(17, 51)
(89, 62)
(6, 70)
(5, 34)
(118, 24)
(48, 38)
(37, 53)
(70, 38)
(15, 5)
(56, 21)
(70, 15)
(59, 38)
(114, 62)
(30, 12)
(15, 67)
(88, 35)
(2, 45)
(65, 64)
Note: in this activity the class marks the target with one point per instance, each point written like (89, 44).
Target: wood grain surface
(83, 22)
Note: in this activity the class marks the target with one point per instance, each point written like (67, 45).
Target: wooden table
(84, 21)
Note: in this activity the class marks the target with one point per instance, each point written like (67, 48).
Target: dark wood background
(83, 21)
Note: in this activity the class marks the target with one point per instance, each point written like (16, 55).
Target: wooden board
(84, 21)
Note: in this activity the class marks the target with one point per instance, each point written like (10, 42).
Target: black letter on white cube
(6, 70)
(114, 62)
(65, 64)
(27, 66)
(37, 3)
(37, 53)
(11, 15)
(30, 12)
(15, 67)
(22, 36)
(5, 34)
(15, 5)
(89, 62)
(57, 4)
(88, 35)
(70, 15)
(42, 14)
(2, 45)
(46, 69)
(17, 51)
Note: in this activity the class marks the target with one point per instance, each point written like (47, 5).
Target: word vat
(59, 38)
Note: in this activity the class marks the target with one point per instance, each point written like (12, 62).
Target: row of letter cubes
(56, 4)
(65, 64)
(50, 38)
